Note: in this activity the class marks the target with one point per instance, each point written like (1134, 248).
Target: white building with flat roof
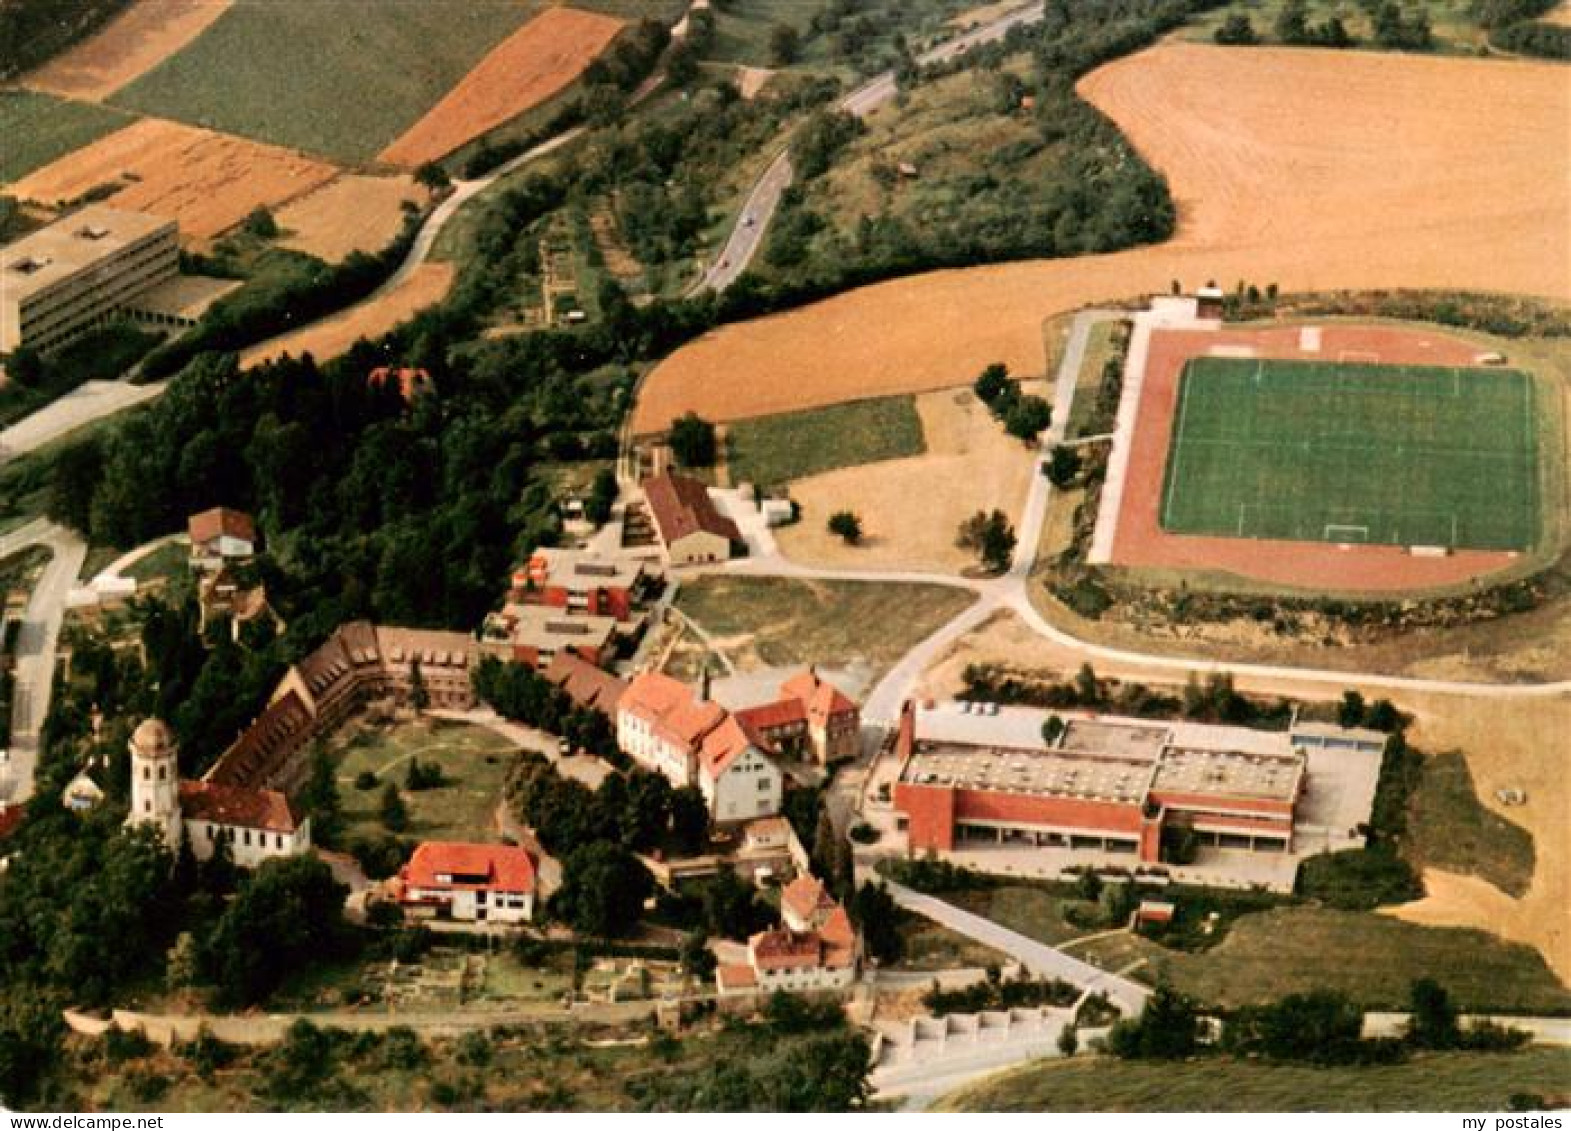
(79, 272)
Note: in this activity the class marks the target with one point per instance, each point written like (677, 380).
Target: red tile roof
(220, 522)
(682, 506)
(736, 976)
(822, 699)
(723, 745)
(769, 716)
(669, 706)
(264, 809)
(11, 819)
(411, 382)
(807, 898)
(587, 686)
(785, 949)
(494, 867)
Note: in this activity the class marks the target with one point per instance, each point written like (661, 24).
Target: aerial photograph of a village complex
(663, 556)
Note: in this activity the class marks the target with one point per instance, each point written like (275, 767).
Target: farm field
(133, 43)
(426, 284)
(1399, 455)
(1315, 170)
(351, 213)
(912, 508)
(298, 73)
(1454, 1081)
(207, 181)
(474, 764)
(528, 67)
(40, 128)
(775, 450)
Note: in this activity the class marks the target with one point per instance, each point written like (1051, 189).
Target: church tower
(155, 780)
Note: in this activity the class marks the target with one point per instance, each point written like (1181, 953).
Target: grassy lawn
(38, 128)
(298, 73)
(1086, 416)
(171, 560)
(773, 450)
(1436, 1082)
(1032, 911)
(1401, 455)
(929, 946)
(1371, 958)
(474, 765)
(770, 622)
(1451, 829)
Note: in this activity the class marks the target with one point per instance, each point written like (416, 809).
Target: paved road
(747, 235)
(83, 405)
(1039, 958)
(35, 648)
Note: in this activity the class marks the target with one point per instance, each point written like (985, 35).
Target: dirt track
(132, 44)
(1311, 169)
(207, 181)
(524, 70)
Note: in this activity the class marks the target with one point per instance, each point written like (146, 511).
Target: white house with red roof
(259, 824)
(221, 535)
(474, 883)
(815, 948)
(811, 718)
(663, 726)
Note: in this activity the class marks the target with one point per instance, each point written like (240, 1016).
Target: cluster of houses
(568, 613)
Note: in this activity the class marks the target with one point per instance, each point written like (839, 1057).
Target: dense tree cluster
(637, 809)
(34, 30)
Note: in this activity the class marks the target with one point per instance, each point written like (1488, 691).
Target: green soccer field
(1321, 452)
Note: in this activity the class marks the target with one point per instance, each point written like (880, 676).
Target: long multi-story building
(976, 774)
(359, 664)
(81, 271)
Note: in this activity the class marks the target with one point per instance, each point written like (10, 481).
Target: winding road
(763, 200)
(36, 646)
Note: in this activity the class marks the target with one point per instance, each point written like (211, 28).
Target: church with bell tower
(258, 824)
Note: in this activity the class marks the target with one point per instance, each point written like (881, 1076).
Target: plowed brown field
(133, 43)
(1311, 169)
(427, 284)
(353, 213)
(524, 70)
(207, 181)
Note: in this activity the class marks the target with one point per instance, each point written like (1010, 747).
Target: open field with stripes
(1423, 456)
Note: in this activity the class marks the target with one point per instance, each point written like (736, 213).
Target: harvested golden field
(524, 70)
(1508, 746)
(1310, 169)
(133, 43)
(426, 285)
(1560, 15)
(207, 181)
(1515, 743)
(911, 508)
(351, 213)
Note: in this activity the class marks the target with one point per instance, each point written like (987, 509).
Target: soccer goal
(1345, 532)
